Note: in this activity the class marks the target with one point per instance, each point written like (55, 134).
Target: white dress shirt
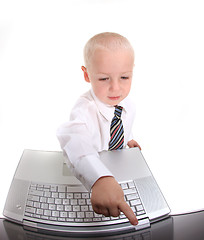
(88, 133)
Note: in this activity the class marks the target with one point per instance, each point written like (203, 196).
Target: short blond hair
(105, 40)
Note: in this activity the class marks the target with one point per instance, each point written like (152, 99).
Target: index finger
(125, 208)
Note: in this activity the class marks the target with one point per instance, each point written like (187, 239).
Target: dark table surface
(187, 226)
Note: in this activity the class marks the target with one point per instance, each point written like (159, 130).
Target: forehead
(108, 61)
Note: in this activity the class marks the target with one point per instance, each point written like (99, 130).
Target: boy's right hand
(107, 198)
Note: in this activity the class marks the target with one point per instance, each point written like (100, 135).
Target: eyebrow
(109, 73)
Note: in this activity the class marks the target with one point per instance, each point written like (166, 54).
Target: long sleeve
(79, 138)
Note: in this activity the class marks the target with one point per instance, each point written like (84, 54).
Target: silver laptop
(45, 195)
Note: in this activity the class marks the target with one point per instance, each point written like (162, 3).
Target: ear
(86, 76)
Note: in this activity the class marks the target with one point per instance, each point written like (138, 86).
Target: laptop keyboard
(70, 206)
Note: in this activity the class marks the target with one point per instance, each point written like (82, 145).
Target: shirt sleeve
(82, 158)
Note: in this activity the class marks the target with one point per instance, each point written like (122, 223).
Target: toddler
(101, 120)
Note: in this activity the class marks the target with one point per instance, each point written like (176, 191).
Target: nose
(114, 85)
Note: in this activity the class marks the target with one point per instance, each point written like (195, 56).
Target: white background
(41, 52)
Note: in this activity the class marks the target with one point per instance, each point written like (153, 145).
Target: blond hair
(105, 40)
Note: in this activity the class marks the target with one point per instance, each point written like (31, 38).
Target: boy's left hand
(132, 143)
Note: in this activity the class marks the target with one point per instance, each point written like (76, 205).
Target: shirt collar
(107, 110)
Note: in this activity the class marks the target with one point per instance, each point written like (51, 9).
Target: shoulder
(129, 104)
(84, 106)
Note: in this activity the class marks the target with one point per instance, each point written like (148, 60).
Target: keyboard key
(131, 184)
(70, 195)
(129, 191)
(53, 189)
(30, 203)
(70, 219)
(33, 198)
(63, 214)
(58, 201)
(135, 202)
(44, 205)
(80, 215)
(52, 207)
(61, 189)
(140, 212)
(84, 208)
(50, 200)
(139, 208)
(85, 195)
(96, 219)
(124, 186)
(97, 215)
(77, 195)
(36, 204)
(88, 201)
(89, 214)
(61, 195)
(90, 208)
(72, 214)
(43, 199)
(88, 220)
(55, 213)
(60, 208)
(47, 213)
(30, 209)
(76, 208)
(78, 220)
(82, 202)
(55, 194)
(73, 201)
(65, 201)
(47, 194)
(39, 211)
(36, 192)
(105, 218)
(131, 196)
(68, 208)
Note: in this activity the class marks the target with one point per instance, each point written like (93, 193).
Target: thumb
(125, 208)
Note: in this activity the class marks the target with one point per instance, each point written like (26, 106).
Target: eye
(103, 79)
(123, 77)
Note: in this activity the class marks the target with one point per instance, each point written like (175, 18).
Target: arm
(108, 199)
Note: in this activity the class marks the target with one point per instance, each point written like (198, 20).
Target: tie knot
(118, 111)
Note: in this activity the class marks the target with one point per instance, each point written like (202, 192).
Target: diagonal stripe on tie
(116, 130)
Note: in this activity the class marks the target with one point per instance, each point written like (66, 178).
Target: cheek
(99, 90)
(127, 86)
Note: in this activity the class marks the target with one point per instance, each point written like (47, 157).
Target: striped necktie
(116, 130)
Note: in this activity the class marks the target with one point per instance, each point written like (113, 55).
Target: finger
(139, 146)
(100, 210)
(106, 212)
(125, 208)
(114, 212)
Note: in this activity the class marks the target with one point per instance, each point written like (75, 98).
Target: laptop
(45, 196)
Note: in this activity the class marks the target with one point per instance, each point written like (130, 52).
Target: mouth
(114, 98)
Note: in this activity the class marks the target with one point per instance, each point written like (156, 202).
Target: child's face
(110, 74)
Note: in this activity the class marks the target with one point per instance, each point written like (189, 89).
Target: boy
(109, 62)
